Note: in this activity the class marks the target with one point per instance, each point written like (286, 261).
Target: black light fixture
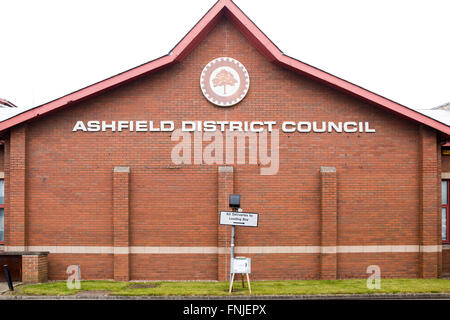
(235, 201)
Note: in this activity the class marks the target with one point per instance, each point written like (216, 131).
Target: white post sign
(243, 219)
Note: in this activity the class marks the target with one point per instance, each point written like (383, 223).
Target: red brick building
(90, 180)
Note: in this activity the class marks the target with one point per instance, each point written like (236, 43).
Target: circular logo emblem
(224, 81)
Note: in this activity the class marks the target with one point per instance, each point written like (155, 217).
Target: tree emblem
(228, 73)
(224, 78)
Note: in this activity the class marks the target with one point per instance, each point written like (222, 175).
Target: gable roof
(256, 37)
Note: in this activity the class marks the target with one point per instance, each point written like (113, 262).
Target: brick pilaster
(224, 189)
(35, 268)
(328, 223)
(16, 214)
(429, 215)
(121, 223)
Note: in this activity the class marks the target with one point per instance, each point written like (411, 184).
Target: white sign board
(241, 265)
(243, 219)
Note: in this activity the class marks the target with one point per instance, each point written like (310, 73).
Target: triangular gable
(255, 36)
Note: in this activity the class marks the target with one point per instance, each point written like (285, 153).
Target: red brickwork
(60, 190)
(328, 222)
(92, 266)
(445, 163)
(121, 205)
(392, 265)
(175, 267)
(16, 215)
(224, 189)
(34, 268)
(429, 217)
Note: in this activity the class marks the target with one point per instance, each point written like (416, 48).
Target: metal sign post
(233, 219)
(232, 253)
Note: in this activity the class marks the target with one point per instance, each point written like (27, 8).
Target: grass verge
(303, 287)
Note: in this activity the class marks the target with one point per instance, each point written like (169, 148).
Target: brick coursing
(429, 214)
(445, 163)
(34, 268)
(121, 219)
(328, 223)
(17, 206)
(224, 189)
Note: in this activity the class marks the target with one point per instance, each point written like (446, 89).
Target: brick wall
(174, 267)
(121, 221)
(392, 265)
(34, 268)
(445, 163)
(429, 217)
(225, 187)
(70, 186)
(92, 266)
(328, 223)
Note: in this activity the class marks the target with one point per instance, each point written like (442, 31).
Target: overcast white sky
(399, 49)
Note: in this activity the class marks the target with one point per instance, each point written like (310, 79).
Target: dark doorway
(14, 263)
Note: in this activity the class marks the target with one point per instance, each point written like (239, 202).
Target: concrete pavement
(4, 286)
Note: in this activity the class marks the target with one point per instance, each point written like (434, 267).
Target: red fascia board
(258, 39)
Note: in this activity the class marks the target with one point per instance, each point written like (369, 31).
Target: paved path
(4, 286)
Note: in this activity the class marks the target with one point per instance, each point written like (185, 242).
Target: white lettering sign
(224, 126)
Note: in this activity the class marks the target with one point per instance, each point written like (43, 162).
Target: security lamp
(235, 200)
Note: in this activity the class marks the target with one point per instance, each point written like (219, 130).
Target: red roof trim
(257, 38)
